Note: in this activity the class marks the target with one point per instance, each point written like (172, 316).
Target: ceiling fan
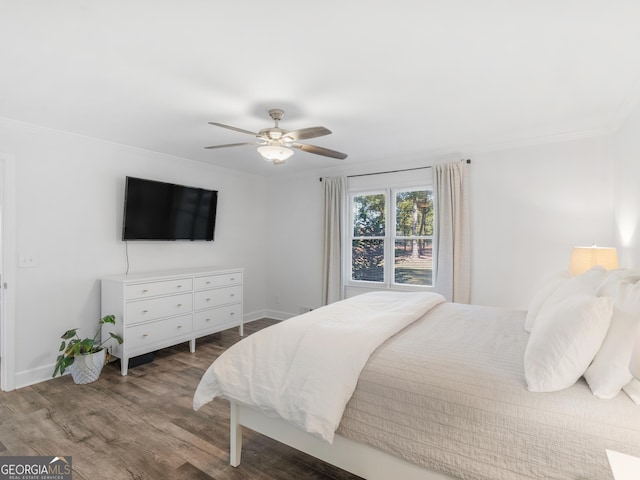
(275, 143)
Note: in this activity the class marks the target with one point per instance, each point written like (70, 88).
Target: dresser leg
(124, 363)
(192, 345)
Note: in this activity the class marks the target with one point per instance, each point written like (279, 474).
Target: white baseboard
(272, 314)
(27, 378)
(257, 315)
(276, 315)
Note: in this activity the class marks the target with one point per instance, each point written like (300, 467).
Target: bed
(444, 396)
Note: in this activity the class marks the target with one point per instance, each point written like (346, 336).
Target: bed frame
(357, 458)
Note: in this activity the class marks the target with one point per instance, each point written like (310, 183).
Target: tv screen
(164, 211)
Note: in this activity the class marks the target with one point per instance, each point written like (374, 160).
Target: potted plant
(84, 357)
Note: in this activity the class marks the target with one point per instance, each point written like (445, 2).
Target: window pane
(369, 215)
(413, 263)
(367, 260)
(414, 213)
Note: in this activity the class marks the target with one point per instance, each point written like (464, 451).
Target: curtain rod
(396, 171)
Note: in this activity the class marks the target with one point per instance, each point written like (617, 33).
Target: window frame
(389, 239)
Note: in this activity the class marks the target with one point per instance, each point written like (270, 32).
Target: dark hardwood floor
(142, 426)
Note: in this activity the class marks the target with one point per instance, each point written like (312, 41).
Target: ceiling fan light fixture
(275, 144)
(275, 153)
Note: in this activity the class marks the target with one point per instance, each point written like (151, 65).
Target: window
(392, 237)
(413, 242)
(367, 245)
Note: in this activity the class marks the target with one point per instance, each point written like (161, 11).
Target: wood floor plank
(143, 426)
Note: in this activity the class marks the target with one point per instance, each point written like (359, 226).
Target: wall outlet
(304, 309)
(27, 261)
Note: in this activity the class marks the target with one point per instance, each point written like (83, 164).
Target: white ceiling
(390, 79)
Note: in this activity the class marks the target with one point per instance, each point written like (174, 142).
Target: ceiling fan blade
(304, 133)
(319, 150)
(241, 130)
(233, 145)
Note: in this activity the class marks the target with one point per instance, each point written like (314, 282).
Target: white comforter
(306, 369)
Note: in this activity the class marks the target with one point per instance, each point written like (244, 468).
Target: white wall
(625, 152)
(294, 233)
(69, 197)
(530, 206)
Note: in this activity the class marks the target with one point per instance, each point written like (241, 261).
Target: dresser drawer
(217, 296)
(222, 280)
(152, 289)
(156, 332)
(153, 308)
(214, 317)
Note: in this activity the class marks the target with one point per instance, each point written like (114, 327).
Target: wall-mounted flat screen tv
(165, 211)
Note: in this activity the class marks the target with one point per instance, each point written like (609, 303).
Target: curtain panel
(453, 264)
(334, 193)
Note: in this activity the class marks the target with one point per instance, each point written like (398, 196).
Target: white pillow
(633, 390)
(564, 340)
(549, 286)
(609, 371)
(586, 283)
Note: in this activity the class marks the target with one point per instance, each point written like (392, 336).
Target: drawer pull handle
(179, 326)
(233, 279)
(144, 290)
(145, 334)
(145, 311)
(207, 320)
(179, 286)
(207, 282)
(232, 314)
(232, 295)
(179, 305)
(208, 299)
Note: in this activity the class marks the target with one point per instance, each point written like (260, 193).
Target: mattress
(449, 393)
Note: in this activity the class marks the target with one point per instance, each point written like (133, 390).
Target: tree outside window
(413, 246)
(367, 245)
(406, 251)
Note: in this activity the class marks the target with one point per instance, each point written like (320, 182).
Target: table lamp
(584, 258)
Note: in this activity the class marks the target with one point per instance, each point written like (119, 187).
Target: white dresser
(159, 309)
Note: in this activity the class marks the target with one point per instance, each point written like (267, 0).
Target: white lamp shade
(275, 153)
(585, 258)
(634, 365)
